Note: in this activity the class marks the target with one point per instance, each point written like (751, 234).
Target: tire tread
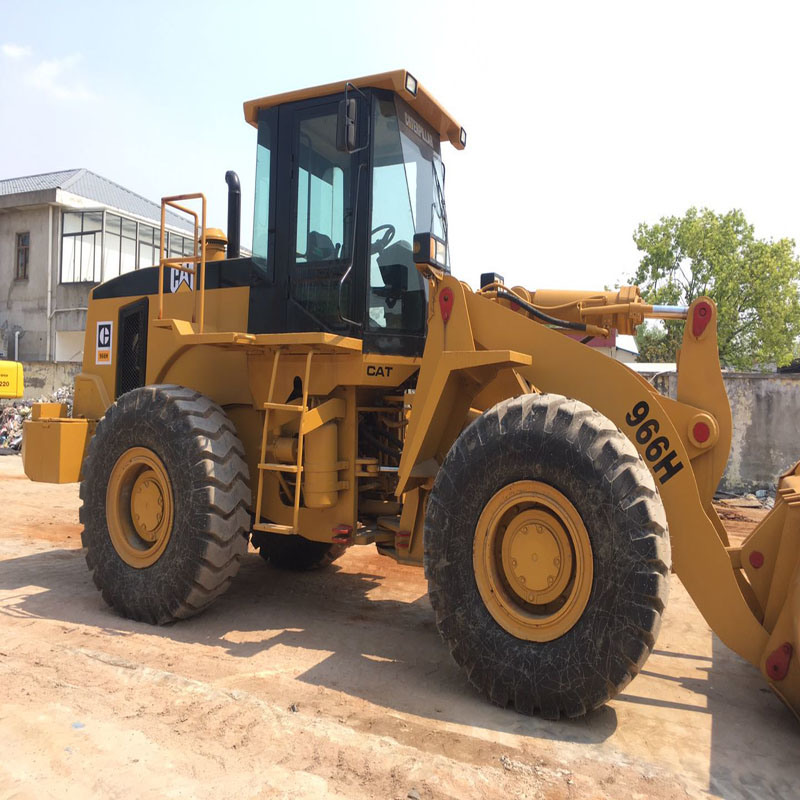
(220, 486)
(627, 479)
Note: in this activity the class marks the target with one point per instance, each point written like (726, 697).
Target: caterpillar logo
(374, 371)
(105, 331)
(423, 133)
(177, 278)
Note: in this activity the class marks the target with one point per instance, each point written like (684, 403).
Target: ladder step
(271, 527)
(281, 467)
(284, 407)
(297, 468)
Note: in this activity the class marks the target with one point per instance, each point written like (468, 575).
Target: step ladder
(295, 469)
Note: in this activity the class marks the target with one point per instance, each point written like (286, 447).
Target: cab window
(324, 217)
(397, 292)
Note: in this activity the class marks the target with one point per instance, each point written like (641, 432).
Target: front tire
(547, 556)
(165, 504)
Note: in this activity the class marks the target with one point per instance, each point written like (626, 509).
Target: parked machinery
(341, 387)
(12, 382)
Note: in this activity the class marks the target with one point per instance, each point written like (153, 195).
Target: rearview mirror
(346, 125)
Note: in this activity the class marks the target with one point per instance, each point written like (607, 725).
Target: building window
(98, 245)
(81, 247)
(23, 248)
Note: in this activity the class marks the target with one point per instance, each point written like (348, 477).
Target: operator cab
(348, 177)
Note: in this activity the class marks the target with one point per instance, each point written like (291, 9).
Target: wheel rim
(533, 561)
(139, 507)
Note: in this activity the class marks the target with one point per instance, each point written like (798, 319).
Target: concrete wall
(44, 377)
(766, 426)
(69, 345)
(23, 304)
(70, 298)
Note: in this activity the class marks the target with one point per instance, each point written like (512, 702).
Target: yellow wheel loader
(340, 387)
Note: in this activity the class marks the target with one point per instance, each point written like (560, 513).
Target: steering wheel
(383, 242)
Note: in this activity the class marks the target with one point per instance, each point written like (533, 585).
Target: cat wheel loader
(340, 386)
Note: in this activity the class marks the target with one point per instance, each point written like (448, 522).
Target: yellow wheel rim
(533, 561)
(139, 507)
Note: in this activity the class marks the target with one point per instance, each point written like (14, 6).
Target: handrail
(180, 263)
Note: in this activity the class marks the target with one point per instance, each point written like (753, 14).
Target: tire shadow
(375, 644)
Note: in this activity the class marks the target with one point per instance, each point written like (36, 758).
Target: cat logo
(177, 277)
(105, 335)
(378, 372)
(420, 130)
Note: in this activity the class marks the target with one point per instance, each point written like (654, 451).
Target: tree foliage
(754, 283)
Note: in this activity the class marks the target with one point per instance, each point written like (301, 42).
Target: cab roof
(399, 81)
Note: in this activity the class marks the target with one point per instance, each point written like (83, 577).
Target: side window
(320, 215)
(322, 182)
(265, 177)
(324, 221)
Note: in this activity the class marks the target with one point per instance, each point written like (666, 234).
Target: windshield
(407, 198)
(424, 172)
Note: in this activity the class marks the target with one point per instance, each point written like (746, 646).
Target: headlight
(430, 249)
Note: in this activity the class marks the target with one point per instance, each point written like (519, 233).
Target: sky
(584, 119)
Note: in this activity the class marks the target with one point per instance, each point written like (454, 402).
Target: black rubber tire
(205, 462)
(295, 552)
(581, 453)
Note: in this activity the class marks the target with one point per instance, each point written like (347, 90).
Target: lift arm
(684, 442)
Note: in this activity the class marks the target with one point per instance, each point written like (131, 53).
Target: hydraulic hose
(561, 323)
(375, 442)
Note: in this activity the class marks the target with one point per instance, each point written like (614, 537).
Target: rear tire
(165, 503)
(572, 470)
(293, 552)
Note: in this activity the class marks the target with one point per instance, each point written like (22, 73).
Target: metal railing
(181, 263)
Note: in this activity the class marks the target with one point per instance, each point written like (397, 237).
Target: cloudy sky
(584, 119)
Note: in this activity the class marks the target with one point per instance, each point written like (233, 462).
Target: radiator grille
(132, 352)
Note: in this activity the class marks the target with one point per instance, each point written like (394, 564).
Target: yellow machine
(341, 387)
(12, 383)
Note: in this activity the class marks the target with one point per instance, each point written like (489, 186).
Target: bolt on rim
(139, 507)
(533, 561)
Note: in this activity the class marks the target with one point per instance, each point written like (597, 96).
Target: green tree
(754, 283)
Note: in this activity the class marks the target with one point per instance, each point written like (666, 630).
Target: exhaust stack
(234, 213)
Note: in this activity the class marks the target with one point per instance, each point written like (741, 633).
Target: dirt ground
(335, 684)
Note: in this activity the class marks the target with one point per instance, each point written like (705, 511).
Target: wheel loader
(340, 386)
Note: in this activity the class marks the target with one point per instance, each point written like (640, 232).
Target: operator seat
(321, 247)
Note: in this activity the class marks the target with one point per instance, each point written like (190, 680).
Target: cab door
(323, 253)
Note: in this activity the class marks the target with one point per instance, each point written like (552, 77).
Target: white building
(61, 233)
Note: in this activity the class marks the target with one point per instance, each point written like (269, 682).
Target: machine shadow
(754, 737)
(372, 645)
(741, 703)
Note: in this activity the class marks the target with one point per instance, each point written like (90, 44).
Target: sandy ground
(335, 684)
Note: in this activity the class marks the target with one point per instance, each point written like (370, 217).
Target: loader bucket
(770, 558)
